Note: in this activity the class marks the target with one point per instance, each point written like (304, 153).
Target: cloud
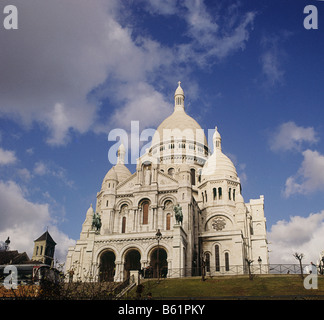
(288, 137)
(310, 176)
(273, 57)
(7, 157)
(51, 169)
(68, 67)
(24, 221)
(299, 234)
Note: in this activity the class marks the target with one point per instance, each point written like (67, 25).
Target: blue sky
(74, 71)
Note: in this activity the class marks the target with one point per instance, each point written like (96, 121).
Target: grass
(262, 287)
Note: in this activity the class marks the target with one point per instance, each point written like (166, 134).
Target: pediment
(166, 180)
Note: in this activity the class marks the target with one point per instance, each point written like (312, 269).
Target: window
(233, 194)
(229, 194)
(215, 193)
(168, 221)
(145, 212)
(226, 261)
(41, 250)
(171, 171)
(219, 193)
(37, 251)
(202, 194)
(206, 195)
(193, 176)
(107, 203)
(124, 225)
(217, 264)
(207, 262)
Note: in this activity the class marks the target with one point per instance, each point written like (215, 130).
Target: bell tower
(44, 249)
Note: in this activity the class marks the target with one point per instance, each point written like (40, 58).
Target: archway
(132, 262)
(159, 262)
(107, 266)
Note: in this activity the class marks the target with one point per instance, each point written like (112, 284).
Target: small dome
(218, 164)
(90, 211)
(179, 90)
(111, 174)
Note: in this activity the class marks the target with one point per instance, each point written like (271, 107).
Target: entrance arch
(132, 262)
(107, 266)
(159, 258)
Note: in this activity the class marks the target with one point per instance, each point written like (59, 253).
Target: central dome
(179, 126)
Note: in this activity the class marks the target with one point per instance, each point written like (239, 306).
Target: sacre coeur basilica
(180, 210)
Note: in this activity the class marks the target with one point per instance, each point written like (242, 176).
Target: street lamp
(260, 262)
(158, 236)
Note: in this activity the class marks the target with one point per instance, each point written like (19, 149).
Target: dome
(122, 172)
(218, 164)
(111, 174)
(179, 126)
(90, 211)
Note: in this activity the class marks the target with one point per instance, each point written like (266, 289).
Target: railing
(234, 270)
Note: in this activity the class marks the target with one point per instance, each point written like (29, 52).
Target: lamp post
(158, 236)
(260, 262)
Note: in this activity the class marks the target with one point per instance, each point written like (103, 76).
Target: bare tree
(299, 257)
(249, 262)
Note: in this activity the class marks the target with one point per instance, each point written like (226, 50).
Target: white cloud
(68, 65)
(288, 136)
(299, 234)
(273, 57)
(310, 176)
(24, 221)
(40, 168)
(7, 157)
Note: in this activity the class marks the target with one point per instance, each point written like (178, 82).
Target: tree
(299, 257)
(249, 262)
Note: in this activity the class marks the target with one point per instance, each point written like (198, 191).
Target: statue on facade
(178, 213)
(96, 222)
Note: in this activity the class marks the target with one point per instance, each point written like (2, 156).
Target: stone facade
(217, 229)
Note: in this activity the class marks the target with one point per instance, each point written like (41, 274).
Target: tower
(44, 249)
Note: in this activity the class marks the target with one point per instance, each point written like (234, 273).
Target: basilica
(179, 213)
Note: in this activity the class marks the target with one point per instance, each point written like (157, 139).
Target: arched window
(202, 194)
(171, 172)
(229, 194)
(233, 194)
(226, 261)
(193, 176)
(217, 263)
(206, 195)
(215, 193)
(124, 225)
(168, 221)
(220, 193)
(207, 260)
(145, 212)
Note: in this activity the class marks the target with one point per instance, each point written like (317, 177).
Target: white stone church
(218, 229)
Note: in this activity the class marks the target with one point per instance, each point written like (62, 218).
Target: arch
(165, 198)
(122, 202)
(132, 261)
(227, 216)
(171, 172)
(107, 265)
(158, 262)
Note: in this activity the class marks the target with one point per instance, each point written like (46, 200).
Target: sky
(76, 70)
